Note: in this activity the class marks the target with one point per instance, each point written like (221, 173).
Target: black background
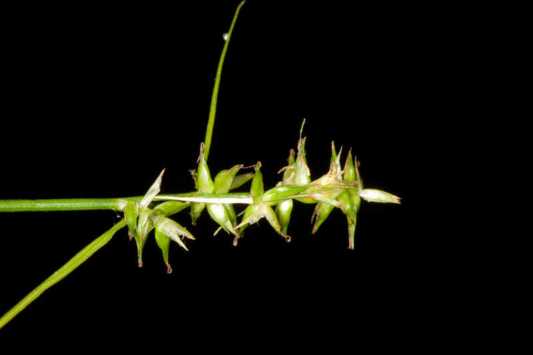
(96, 101)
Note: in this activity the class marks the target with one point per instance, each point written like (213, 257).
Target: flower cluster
(341, 187)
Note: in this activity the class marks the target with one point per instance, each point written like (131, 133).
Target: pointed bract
(172, 230)
(131, 212)
(320, 214)
(284, 212)
(152, 191)
(224, 179)
(375, 195)
(163, 242)
(258, 189)
(240, 180)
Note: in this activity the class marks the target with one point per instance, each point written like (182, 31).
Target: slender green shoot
(63, 205)
(216, 85)
(63, 271)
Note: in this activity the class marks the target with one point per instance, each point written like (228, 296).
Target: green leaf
(62, 272)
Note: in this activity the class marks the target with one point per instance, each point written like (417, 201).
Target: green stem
(62, 272)
(276, 194)
(216, 85)
(65, 204)
(92, 204)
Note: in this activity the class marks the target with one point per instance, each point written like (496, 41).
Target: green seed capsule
(171, 229)
(144, 226)
(131, 212)
(258, 189)
(240, 180)
(224, 179)
(203, 183)
(350, 171)
(302, 174)
(326, 190)
(320, 214)
(163, 242)
(349, 199)
(334, 174)
(349, 204)
(284, 212)
(259, 209)
(138, 217)
(204, 180)
(224, 215)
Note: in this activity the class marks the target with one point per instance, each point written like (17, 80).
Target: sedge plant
(340, 187)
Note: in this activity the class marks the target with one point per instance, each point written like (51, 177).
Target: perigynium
(340, 188)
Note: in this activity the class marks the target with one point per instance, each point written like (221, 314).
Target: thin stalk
(65, 204)
(95, 204)
(277, 194)
(232, 198)
(216, 85)
(62, 272)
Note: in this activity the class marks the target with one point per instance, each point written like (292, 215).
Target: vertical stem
(216, 86)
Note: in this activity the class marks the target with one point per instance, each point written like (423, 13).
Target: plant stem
(276, 194)
(216, 86)
(62, 272)
(95, 204)
(66, 204)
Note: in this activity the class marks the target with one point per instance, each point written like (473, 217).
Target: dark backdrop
(96, 101)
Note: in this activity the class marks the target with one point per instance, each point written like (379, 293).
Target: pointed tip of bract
(335, 157)
(168, 269)
(351, 234)
(201, 153)
(302, 128)
(320, 215)
(350, 174)
(292, 157)
(235, 241)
